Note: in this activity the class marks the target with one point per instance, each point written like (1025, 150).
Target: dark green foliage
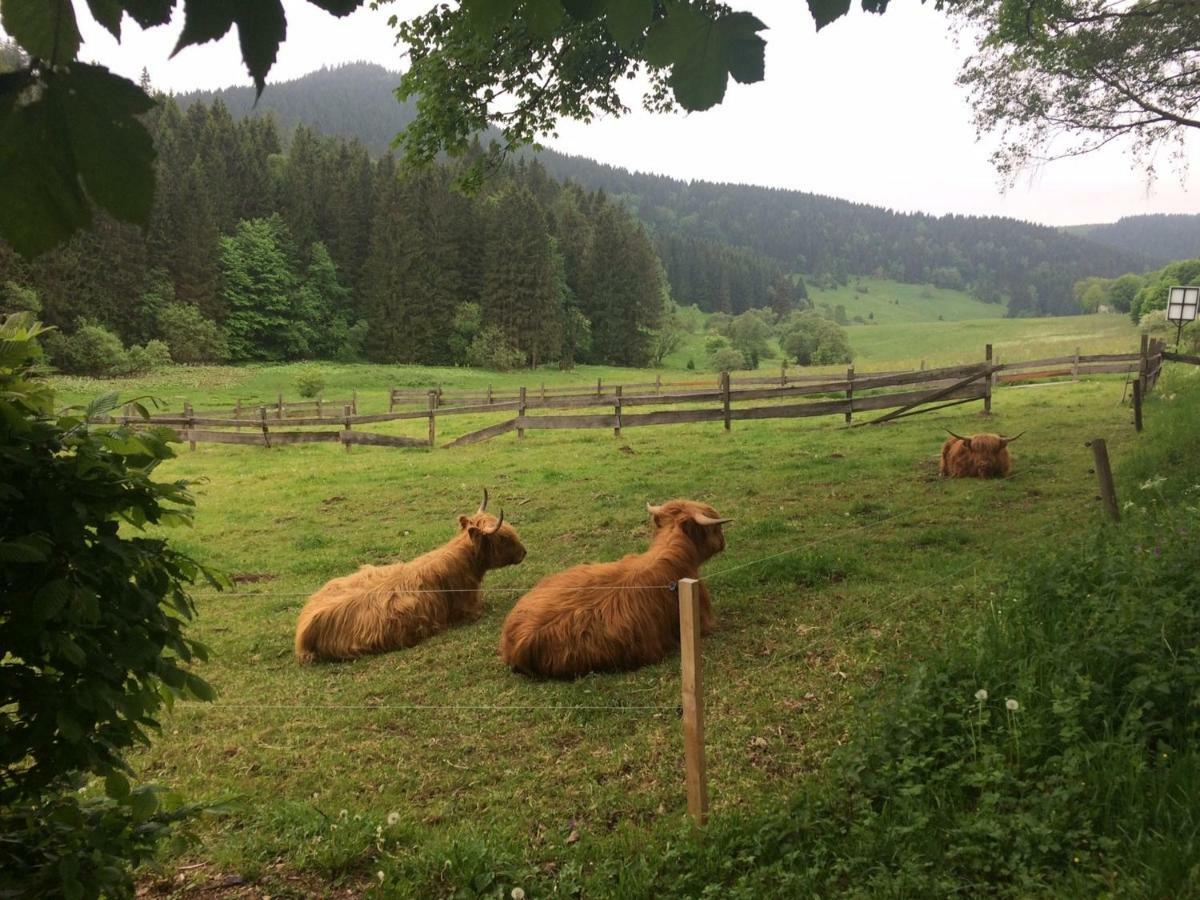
(92, 618)
(813, 340)
(91, 350)
(491, 349)
(265, 319)
(189, 336)
(1153, 296)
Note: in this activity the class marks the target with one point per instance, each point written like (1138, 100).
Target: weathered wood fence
(648, 403)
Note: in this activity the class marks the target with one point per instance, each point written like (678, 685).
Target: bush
(191, 337)
(310, 384)
(18, 298)
(490, 349)
(812, 339)
(353, 342)
(91, 350)
(154, 355)
(727, 360)
(92, 618)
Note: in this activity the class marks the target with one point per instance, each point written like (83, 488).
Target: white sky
(867, 110)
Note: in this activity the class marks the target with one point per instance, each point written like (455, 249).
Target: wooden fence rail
(853, 392)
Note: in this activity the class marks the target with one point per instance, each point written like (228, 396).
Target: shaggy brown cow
(381, 608)
(616, 615)
(978, 456)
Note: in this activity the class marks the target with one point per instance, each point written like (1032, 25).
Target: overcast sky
(866, 110)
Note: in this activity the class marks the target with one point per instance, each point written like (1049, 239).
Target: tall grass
(1052, 749)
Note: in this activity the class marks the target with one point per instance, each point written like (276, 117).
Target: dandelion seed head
(517, 894)
(981, 695)
(1011, 705)
(393, 818)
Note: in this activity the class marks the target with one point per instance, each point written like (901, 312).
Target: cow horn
(483, 505)
(1004, 442)
(959, 436)
(701, 519)
(499, 522)
(653, 510)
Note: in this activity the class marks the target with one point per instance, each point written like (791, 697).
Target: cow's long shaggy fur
(617, 615)
(978, 456)
(378, 608)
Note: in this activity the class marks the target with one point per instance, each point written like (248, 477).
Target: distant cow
(978, 456)
(381, 608)
(616, 615)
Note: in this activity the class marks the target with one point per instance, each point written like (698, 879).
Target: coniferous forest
(258, 250)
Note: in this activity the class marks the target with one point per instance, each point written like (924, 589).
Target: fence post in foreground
(279, 408)
(598, 390)
(617, 412)
(987, 391)
(849, 394)
(521, 414)
(1108, 493)
(191, 417)
(725, 397)
(693, 700)
(354, 402)
(1137, 406)
(262, 418)
(346, 422)
(433, 402)
(1143, 360)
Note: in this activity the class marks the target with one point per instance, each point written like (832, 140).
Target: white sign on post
(1182, 304)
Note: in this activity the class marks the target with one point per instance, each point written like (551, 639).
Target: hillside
(1032, 266)
(1162, 237)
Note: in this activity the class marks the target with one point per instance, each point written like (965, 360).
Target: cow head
(498, 543)
(698, 521)
(988, 454)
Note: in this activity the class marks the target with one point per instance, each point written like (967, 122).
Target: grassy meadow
(435, 771)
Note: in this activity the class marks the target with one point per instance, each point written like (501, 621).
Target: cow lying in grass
(381, 608)
(978, 456)
(616, 615)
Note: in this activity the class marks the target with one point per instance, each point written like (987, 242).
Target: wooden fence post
(320, 413)
(783, 374)
(1143, 357)
(279, 407)
(1137, 406)
(691, 664)
(237, 412)
(658, 383)
(433, 402)
(850, 393)
(1075, 366)
(346, 422)
(354, 402)
(617, 412)
(1108, 493)
(391, 400)
(489, 395)
(191, 416)
(987, 391)
(521, 414)
(599, 392)
(543, 392)
(922, 365)
(262, 418)
(725, 398)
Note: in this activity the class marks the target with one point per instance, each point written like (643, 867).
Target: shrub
(191, 337)
(727, 360)
(92, 618)
(91, 350)
(812, 339)
(18, 298)
(154, 355)
(691, 363)
(353, 342)
(310, 384)
(491, 349)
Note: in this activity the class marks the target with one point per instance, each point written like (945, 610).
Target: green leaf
(826, 11)
(45, 28)
(113, 150)
(116, 786)
(584, 10)
(341, 8)
(262, 26)
(489, 15)
(200, 689)
(148, 13)
(108, 14)
(205, 21)
(542, 17)
(68, 727)
(143, 803)
(745, 51)
(32, 549)
(627, 19)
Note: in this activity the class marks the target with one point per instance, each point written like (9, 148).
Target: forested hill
(1033, 267)
(1162, 237)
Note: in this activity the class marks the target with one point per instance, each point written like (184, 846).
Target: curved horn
(483, 505)
(959, 436)
(653, 510)
(1004, 442)
(701, 519)
(499, 522)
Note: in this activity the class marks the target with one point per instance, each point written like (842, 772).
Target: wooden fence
(786, 396)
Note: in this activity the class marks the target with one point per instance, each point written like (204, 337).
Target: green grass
(847, 558)
(894, 302)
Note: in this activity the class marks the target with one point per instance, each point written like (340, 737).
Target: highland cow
(617, 615)
(978, 456)
(382, 608)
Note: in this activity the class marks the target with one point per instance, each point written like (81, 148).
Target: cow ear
(463, 521)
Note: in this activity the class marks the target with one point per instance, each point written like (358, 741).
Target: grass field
(451, 776)
(886, 302)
